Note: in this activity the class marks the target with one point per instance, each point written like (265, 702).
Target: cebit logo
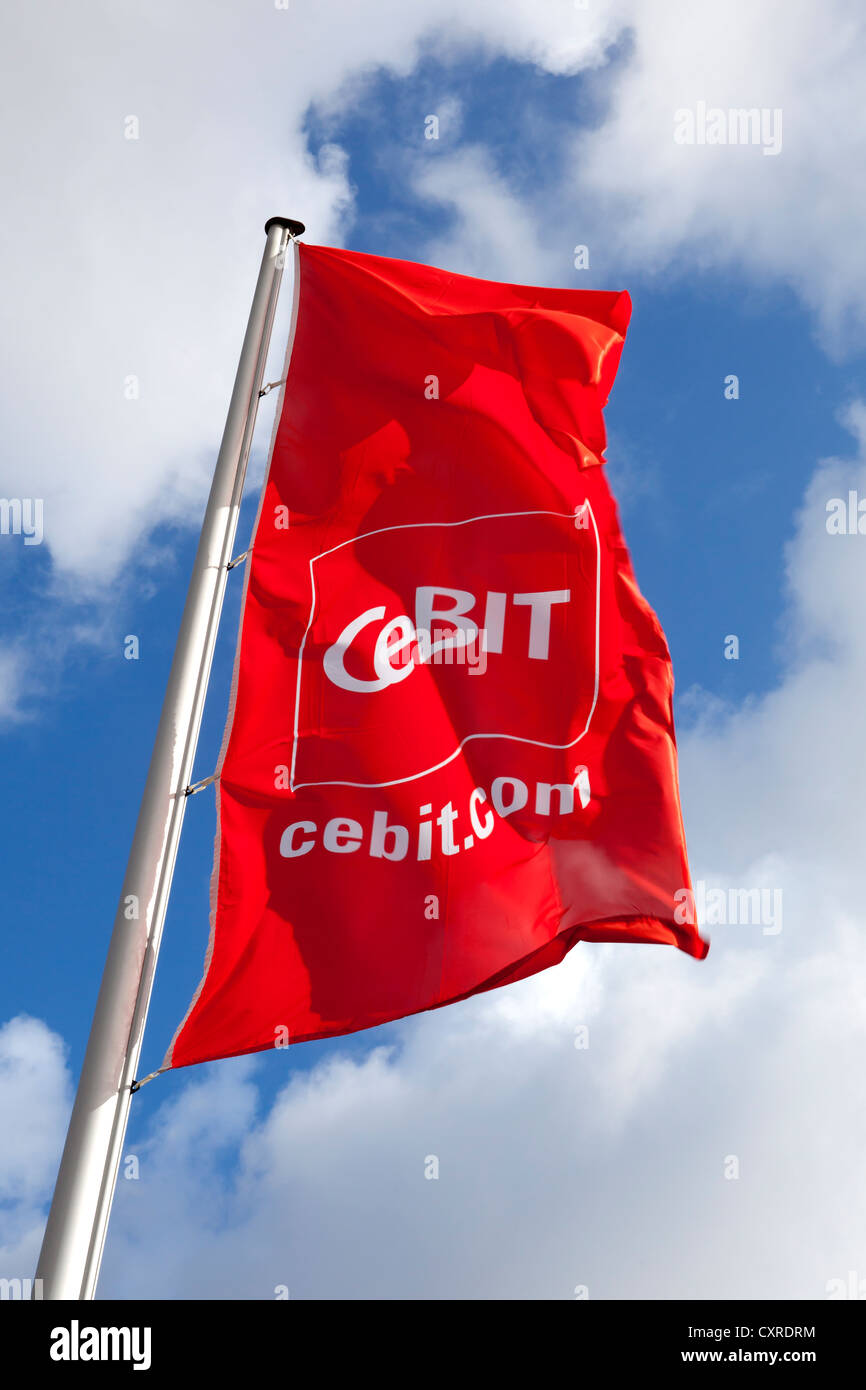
(402, 618)
(401, 646)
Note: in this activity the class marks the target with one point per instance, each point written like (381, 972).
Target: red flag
(450, 754)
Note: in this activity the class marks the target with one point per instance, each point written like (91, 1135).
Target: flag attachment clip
(137, 1085)
(270, 386)
(199, 786)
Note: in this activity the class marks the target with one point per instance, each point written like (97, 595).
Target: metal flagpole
(75, 1234)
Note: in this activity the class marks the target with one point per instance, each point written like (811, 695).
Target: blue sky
(710, 489)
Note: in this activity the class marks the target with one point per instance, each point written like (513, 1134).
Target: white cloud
(793, 218)
(34, 1106)
(645, 204)
(496, 236)
(136, 257)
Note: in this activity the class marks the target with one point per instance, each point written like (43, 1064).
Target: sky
(708, 1141)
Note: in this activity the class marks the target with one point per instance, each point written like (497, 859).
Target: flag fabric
(450, 751)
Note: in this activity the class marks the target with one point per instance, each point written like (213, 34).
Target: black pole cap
(293, 227)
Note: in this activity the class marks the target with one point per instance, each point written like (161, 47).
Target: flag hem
(168, 1062)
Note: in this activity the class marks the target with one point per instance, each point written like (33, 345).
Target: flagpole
(75, 1234)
